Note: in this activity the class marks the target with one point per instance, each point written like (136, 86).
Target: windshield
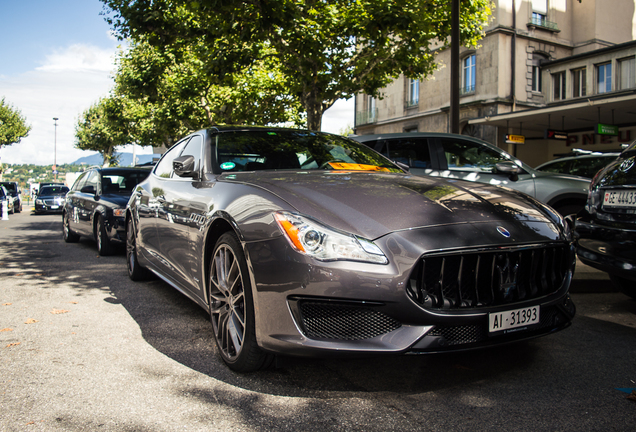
(9, 187)
(295, 150)
(53, 190)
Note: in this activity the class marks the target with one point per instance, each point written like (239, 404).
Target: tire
(68, 235)
(625, 286)
(136, 272)
(232, 308)
(104, 247)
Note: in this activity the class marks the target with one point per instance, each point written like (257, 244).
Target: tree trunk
(313, 107)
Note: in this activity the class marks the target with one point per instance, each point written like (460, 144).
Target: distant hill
(125, 159)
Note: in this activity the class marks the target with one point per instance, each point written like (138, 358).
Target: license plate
(619, 198)
(513, 319)
(55, 207)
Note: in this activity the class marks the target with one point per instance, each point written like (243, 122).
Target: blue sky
(56, 60)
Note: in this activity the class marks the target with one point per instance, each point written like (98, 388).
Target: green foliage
(323, 50)
(13, 126)
(103, 127)
(25, 173)
(169, 94)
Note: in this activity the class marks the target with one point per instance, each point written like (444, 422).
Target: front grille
(326, 320)
(459, 335)
(484, 278)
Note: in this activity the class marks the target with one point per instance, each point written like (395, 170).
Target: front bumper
(311, 308)
(48, 208)
(608, 249)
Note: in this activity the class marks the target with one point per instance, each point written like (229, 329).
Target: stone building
(548, 70)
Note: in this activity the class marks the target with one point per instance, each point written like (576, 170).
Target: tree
(13, 126)
(326, 50)
(170, 94)
(103, 127)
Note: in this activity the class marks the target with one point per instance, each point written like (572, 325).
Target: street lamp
(55, 151)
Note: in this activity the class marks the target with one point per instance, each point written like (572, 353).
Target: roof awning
(580, 116)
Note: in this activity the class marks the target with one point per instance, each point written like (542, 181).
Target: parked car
(583, 165)
(606, 228)
(5, 196)
(50, 199)
(96, 205)
(463, 157)
(14, 190)
(305, 243)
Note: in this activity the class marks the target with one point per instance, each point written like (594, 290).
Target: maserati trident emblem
(504, 232)
(507, 275)
(627, 165)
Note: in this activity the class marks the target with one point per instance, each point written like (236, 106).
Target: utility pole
(55, 151)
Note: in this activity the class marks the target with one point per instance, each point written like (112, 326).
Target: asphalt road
(82, 348)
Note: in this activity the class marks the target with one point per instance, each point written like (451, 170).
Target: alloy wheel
(227, 302)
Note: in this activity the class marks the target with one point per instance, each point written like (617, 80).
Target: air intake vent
(487, 278)
(326, 320)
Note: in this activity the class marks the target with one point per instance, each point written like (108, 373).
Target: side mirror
(510, 168)
(90, 189)
(183, 166)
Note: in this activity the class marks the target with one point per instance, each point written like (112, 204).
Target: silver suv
(467, 158)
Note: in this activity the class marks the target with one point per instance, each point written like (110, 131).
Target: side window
(557, 167)
(470, 156)
(164, 167)
(194, 149)
(410, 151)
(92, 180)
(81, 181)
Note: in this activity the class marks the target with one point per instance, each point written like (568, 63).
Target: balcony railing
(466, 90)
(543, 23)
(412, 103)
(366, 117)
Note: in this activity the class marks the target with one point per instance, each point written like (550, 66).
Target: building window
(579, 77)
(627, 73)
(604, 78)
(468, 78)
(536, 72)
(558, 83)
(539, 12)
(414, 92)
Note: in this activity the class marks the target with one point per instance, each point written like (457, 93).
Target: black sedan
(50, 199)
(606, 228)
(96, 204)
(306, 243)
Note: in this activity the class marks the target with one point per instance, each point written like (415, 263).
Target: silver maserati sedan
(305, 243)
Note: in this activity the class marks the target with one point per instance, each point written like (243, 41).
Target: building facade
(544, 66)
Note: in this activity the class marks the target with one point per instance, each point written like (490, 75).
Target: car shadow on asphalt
(178, 328)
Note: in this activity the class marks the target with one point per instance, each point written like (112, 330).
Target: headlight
(120, 212)
(39, 201)
(326, 244)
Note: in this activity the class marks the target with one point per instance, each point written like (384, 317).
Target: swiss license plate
(54, 207)
(619, 198)
(513, 319)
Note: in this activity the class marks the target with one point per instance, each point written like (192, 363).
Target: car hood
(584, 181)
(51, 196)
(620, 172)
(374, 204)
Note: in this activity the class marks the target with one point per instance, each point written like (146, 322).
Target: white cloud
(339, 116)
(68, 82)
(79, 57)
